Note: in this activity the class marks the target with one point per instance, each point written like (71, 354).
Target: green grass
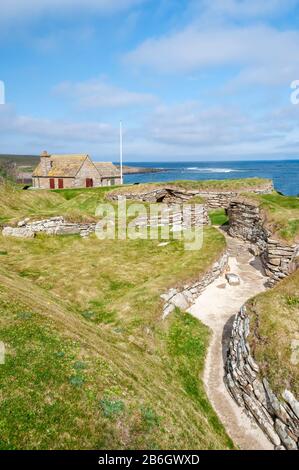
(80, 204)
(274, 337)
(195, 200)
(281, 214)
(205, 185)
(35, 387)
(187, 342)
(218, 217)
(75, 204)
(17, 204)
(229, 184)
(89, 363)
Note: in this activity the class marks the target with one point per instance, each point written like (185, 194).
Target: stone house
(73, 171)
(110, 174)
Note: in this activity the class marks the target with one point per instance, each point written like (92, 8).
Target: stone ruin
(52, 226)
(246, 221)
(279, 419)
(213, 199)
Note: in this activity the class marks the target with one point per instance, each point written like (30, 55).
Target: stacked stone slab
(178, 218)
(214, 199)
(165, 195)
(185, 296)
(222, 199)
(53, 226)
(279, 419)
(246, 221)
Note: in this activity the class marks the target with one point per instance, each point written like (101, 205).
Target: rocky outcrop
(279, 419)
(247, 221)
(168, 194)
(184, 297)
(52, 226)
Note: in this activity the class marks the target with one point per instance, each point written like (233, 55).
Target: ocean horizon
(284, 173)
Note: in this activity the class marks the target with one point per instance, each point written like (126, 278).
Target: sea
(284, 173)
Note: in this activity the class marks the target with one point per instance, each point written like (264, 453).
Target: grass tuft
(275, 321)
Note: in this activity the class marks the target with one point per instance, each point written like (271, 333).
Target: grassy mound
(89, 363)
(241, 184)
(274, 337)
(218, 217)
(281, 214)
(73, 203)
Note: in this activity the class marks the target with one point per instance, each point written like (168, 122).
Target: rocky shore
(132, 170)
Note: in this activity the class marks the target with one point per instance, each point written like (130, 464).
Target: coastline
(134, 170)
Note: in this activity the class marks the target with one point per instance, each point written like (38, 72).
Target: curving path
(217, 307)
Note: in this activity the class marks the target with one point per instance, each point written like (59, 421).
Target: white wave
(212, 170)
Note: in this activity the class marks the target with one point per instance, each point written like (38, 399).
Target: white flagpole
(121, 151)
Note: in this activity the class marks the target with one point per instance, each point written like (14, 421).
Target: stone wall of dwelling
(45, 164)
(78, 182)
(175, 217)
(222, 199)
(185, 296)
(246, 221)
(67, 183)
(279, 419)
(111, 181)
(88, 170)
(146, 196)
(213, 199)
(44, 183)
(52, 226)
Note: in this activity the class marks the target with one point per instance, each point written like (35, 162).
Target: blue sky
(191, 79)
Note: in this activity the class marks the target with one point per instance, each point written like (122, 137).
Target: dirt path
(216, 307)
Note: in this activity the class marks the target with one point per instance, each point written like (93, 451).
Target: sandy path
(216, 307)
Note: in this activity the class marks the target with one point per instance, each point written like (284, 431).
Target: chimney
(46, 164)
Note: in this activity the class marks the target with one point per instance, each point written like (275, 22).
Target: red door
(60, 183)
(52, 183)
(89, 182)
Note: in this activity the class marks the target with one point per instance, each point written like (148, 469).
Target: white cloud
(187, 131)
(194, 125)
(190, 130)
(97, 93)
(243, 9)
(57, 130)
(269, 55)
(27, 9)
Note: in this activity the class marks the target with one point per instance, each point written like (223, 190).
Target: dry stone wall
(222, 199)
(279, 419)
(185, 296)
(52, 226)
(176, 218)
(214, 199)
(246, 221)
